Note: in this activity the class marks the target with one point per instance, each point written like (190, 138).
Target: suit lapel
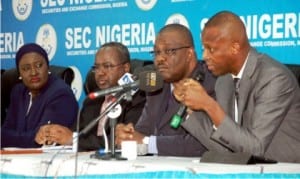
(168, 108)
(245, 87)
(225, 93)
(167, 116)
(246, 83)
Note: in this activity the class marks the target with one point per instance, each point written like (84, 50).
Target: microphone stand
(112, 155)
(95, 121)
(108, 156)
(112, 123)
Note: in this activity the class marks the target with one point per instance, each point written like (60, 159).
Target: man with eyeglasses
(112, 61)
(175, 59)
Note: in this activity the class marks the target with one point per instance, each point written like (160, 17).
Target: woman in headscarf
(40, 99)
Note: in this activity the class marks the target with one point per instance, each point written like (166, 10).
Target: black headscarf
(31, 47)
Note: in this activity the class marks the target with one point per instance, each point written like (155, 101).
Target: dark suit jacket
(269, 113)
(131, 112)
(56, 103)
(156, 117)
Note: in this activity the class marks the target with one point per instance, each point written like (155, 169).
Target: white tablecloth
(63, 164)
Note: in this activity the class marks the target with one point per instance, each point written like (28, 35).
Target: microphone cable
(76, 139)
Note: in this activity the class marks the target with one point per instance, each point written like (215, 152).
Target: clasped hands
(190, 93)
(49, 134)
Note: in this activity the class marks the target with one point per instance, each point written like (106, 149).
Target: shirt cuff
(152, 146)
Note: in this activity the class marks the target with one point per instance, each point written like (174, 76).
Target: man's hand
(42, 135)
(54, 133)
(191, 93)
(127, 132)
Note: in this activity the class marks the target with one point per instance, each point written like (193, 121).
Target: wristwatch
(146, 140)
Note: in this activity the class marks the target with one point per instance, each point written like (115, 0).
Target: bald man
(261, 116)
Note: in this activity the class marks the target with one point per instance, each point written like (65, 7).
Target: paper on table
(46, 149)
(63, 148)
(16, 150)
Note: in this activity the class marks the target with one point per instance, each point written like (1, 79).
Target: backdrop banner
(71, 31)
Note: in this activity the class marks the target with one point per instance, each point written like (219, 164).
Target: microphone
(181, 113)
(148, 81)
(126, 79)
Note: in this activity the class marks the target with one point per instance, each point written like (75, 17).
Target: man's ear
(191, 53)
(235, 48)
(127, 67)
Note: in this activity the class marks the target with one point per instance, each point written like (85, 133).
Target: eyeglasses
(105, 67)
(37, 66)
(168, 52)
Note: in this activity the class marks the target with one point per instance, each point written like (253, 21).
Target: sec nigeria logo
(77, 82)
(46, 37)
(177, 19)
(145, 4)
(22, 9)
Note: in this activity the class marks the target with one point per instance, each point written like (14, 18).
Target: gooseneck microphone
(181, 113)
(148, 81)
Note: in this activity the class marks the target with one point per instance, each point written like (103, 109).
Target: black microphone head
(198, 76)
(141, 69)
(150, 81)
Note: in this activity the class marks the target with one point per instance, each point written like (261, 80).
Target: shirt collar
(241, 72)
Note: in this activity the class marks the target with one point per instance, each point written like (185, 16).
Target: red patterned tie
(101, 125)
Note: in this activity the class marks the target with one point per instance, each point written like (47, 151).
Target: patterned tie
(236, 89)
(101, 125)
(236, 82)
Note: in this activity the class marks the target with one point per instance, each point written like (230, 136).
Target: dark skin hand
(53, 133)
(127, 132)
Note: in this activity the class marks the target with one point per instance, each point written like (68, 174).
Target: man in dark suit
(261, 116)
(175, 59)
(112, 61)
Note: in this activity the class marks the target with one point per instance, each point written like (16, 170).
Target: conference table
(81, 165)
